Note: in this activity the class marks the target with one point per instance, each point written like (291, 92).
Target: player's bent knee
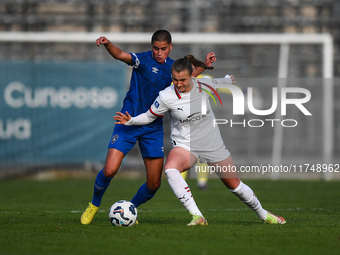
(175, 166)
(154, 186)
(110, 172)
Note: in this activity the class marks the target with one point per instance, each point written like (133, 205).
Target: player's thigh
(122, 141)
(180, 159)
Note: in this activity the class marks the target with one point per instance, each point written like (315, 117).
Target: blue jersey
(148, 78)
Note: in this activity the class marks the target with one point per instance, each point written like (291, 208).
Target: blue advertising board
(58, 113)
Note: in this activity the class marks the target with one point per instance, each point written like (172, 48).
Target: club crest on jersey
(154, 70)
(114, 138)
(156, 104)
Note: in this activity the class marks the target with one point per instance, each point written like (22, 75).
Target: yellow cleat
(88, 214)
(274, 219)
(198, 220)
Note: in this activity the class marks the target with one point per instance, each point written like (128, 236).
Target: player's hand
(232, 78)
(102, 40)
(121, 118)
(210, 59)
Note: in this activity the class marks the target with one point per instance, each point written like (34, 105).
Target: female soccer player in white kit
(194, 136)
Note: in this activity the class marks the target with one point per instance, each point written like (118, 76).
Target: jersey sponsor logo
(180, 109)
(114, 138)
(197, 116)
(154, 69)
(156, 104)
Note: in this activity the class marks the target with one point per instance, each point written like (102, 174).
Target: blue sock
(100, 186)
(143, 195)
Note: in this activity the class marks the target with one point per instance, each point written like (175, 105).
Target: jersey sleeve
(135, 60)
(159, 106)
(142, 119)
(226, 80)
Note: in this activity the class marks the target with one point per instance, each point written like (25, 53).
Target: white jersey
(188, 125)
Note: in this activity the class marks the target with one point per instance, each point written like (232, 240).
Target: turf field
(43, 218)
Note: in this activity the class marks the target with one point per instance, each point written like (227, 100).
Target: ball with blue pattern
(123, 213)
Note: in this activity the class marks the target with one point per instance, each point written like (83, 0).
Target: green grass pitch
(43, 217)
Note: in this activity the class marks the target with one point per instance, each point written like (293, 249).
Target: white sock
(247, 196)
(182, 190)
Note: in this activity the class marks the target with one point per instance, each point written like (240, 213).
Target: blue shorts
(150, 140)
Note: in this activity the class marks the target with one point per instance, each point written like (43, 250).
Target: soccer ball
(123, 213)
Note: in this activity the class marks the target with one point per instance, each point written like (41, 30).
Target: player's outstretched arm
(140, 120)
(115, 51)
(227, 80)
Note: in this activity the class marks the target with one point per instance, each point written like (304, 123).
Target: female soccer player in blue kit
(151, 74)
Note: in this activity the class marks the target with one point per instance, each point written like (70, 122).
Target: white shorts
(208, 156)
